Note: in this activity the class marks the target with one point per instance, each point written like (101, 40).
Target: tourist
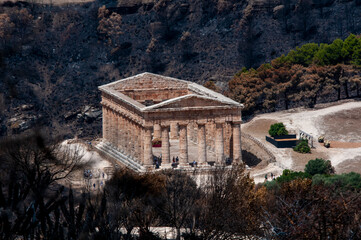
(173, 159)
(177, 159)
(194, 163)
(265, 177)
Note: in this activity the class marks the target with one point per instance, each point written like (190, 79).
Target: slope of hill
(53, 57)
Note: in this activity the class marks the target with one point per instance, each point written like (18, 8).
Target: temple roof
(166, 92)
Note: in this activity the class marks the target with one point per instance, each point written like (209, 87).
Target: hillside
(54, 56)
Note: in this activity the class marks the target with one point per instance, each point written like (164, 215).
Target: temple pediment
(147, 92)
(188, 101)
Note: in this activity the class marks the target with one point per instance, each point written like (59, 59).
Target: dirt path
(336, 144)
(340, 123)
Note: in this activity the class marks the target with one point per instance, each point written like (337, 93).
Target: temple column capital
(157, 131)
(183, 123)
(236, 122)
(201, 122)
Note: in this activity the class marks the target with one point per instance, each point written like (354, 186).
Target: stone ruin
(141, 109)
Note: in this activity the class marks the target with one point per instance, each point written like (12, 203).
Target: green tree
(303, 55)
(319, 166)
(277, 129)
(329, 54)
(356, 57)
(351, 44)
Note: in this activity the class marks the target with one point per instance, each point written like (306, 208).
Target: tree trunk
(286, 101)
(346, 89)
(178, 234)
(129, 231)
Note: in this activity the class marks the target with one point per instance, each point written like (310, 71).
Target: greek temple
(149, 118)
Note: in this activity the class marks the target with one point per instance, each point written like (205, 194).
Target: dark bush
(277, 129)
(344, 181)
(289, 175)
(302, 147)
(319, 166)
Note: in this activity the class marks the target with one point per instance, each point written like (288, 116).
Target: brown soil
(337, 144)
(343, 126)
(301, 159)
(259, 128)
(350, 165)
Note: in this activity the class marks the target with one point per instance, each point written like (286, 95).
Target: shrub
(277, 129)
(319, 166)
(289, 175)
(350, 180)
(302, 147)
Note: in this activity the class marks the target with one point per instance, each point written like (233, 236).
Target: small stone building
(139, 109)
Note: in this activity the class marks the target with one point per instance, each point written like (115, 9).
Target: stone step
(119, 157)
(112, 152)
(123, 158)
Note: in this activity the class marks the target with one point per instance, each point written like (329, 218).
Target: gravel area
(339, 123)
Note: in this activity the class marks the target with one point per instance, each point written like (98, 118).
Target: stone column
(183, 144)
(141, 141)
(135, 142)
(202, 147)
(105, 122)
(165, 144)
(173, 130)
(126, 136)
(237, 151)
(157, 131)
(111, 127)
(219, 143)
(131, 139)
(148, 151)
(119, 129)
(120, 133)
(116, 129)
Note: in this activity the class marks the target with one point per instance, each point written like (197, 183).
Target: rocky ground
(53, 62)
